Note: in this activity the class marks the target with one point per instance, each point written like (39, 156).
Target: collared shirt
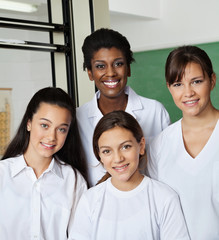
(31, 208)
(150, 114)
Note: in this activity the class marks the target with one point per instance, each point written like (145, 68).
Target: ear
(213, 81)
(142, 146)
(90, 75)
(28, 125)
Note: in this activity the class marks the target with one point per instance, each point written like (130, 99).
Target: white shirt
(196, 180)
(150, 114)
(151, 211)
(37, 209)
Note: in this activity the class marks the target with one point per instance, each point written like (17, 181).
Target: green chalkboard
(148, 76)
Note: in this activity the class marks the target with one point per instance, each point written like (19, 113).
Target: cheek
(96, 74)
(207, 92)
(62, 139)
(175, 95)
(34, 134)
(105, 163)
(124, 72)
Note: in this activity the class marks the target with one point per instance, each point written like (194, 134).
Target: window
(36, 51)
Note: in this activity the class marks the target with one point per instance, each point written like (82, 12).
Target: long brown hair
(71, 152)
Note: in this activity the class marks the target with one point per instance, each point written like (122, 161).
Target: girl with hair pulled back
(127, 204)
(107, 59)
(185, 155)
(43, 172)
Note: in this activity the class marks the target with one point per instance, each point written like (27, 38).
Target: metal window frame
(66, 48)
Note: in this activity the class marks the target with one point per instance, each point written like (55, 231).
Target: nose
(118, 157)
(110, 71)
(51, 135)
(189, 92)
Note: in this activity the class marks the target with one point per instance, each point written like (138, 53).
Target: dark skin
(109, 105)
(110, 73)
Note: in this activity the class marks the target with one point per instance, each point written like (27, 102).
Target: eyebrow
(127, 141)
(192, 79)
(45, 119)
(197, 77)
(120, 58)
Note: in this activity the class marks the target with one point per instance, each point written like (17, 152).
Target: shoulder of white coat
(151, 102)
(82, 110)
(155, 106)
(167, 134)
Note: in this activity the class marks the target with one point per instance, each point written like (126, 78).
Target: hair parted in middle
(72, 151)
(105, 38)
(116, 119)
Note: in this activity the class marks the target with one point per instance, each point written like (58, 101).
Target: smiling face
(110, 71)
(48, 131)
(119, 153)
(191, 94)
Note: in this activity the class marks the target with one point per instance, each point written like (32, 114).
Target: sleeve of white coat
(165, 118)
(81, 227)
(172, 222)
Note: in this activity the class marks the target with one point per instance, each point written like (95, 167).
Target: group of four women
(153, 181)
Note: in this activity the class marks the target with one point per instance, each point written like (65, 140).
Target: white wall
(140, 8)
(81, 14)
(180, 22)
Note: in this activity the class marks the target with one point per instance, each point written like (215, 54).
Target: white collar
(19, 164)
(133, 104)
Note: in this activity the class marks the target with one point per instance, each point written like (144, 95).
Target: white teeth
(47, 145)
(119, 168)
(189, 102)
(110, 83)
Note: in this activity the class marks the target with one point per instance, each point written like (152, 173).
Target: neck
(107, 105)
(39, 165)
(208, 119)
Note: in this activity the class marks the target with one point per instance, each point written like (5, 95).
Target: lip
(47, 146)
(191, 102)
(121, 168)
(111, 83)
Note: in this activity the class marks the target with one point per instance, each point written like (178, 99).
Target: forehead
(105, 53)
(191, 69)
(53, 112)
(115, 136)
